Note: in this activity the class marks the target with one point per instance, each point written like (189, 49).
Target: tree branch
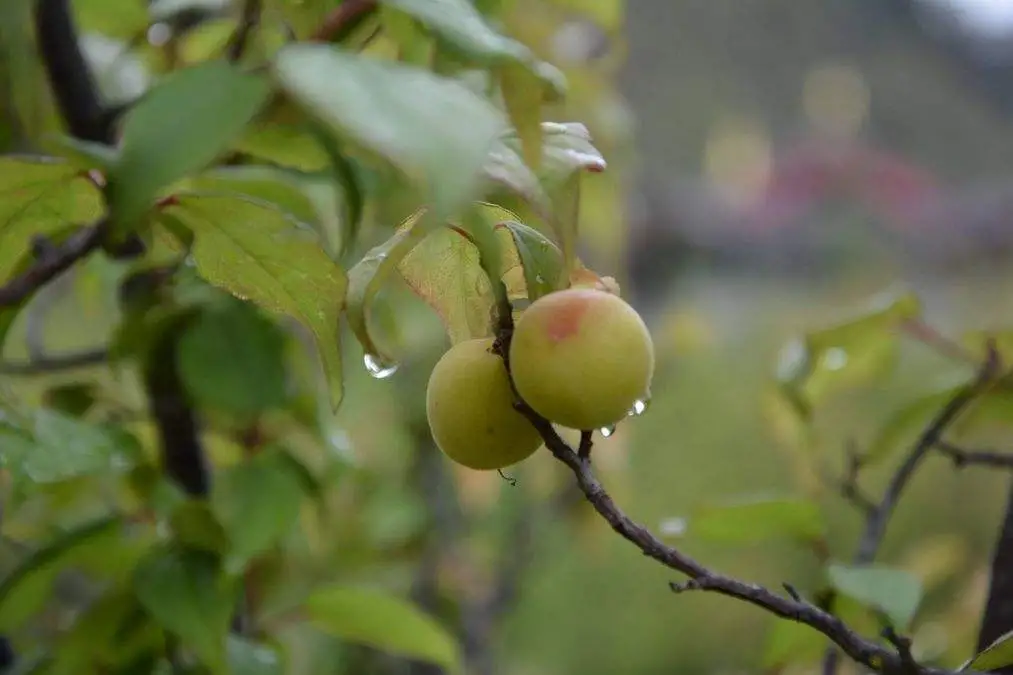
(51, 262)
(962, 458)
(252, 10)
(72, 82)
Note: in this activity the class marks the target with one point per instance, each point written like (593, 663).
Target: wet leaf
(180, 126)
(257, 253)
(896, 593)
(442, 144)
(382, 621)
(540, 258)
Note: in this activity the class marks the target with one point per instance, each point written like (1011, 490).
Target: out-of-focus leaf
(247, 657)
(791, 643)
(285, 145)
(848, 354)
(278, 185)
(523, 101)
(259, 254)
(444, 270)
(382, 621)
(180, 126)
(461, 27)
(997, 655)
(194, 525)
(186, 594)
(443, 144)
(758, 519)
(608, 14)
(258, 502)
(896, 593)
(57, 447)
(906, 423)
(232, 358)
(120, 74)
(110, 633)
(38, 196)
(25, 590)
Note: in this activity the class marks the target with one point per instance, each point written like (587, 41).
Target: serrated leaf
(540, 258)
(180, 126)
(461, 27)
(758, 519)
(896, 593)
(444, 270)
(38, 196)
(56, 447)
(231, 358)
(25, 590)
(258, 501)
(258, 253)
(186, 594)
(380, 620)
(443, 144)
(848, 354)
(997, 655)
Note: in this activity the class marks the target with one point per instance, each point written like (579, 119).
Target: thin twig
(54, 363)
(878, 517)
(53, 261)
(248, 22)
(848, 485)
(962, 458)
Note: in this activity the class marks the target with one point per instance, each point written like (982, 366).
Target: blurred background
(775, 166)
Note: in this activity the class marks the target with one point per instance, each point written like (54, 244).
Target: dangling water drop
(638, 409)
(377, 368)
(608, 431)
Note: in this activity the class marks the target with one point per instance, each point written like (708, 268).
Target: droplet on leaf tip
(376, 367)
(607, 431)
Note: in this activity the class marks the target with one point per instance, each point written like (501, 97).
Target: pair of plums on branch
(581, 358)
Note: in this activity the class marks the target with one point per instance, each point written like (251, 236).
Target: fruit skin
(469, 405)
(582, 357)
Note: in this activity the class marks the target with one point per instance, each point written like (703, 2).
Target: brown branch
(344, 19)
(878, 517)
(51, 262)
(962, 458)
(248, 22)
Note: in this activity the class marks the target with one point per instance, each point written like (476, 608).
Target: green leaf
(893, 592)
(25, 590)
(259, 254)
(905, 424)
(180, 126)
(461, 27)
(185, 593)
(194, 525)
(284, 144)
(382, 621)
(281, 186)
(997, 655)
(38, 196)
(247, 657)
(110, 633)
(566, 150)
(258, 501)
(540, 258)
(522, 99)
(444, 270)
(443, 143)
(232, 358)
(758, 519)
(56, 447)
(848, 354)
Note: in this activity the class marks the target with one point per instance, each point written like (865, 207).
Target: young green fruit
(582, 358)
(469, 405)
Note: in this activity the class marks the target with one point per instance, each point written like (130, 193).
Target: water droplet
(608, 431)
(639, 408)
(835, 358)
(377, 368)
